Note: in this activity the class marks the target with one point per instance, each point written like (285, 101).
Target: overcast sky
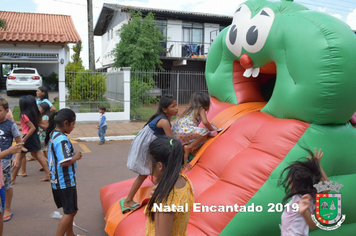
(342, 9)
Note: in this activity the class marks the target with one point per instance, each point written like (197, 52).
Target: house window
(193, 33)
(192, 38)
(162, 27)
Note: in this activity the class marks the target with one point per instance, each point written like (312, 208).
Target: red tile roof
(38, 28)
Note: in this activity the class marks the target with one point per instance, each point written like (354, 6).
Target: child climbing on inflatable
(158, 125)
(298, 185)
(186, 128)
(174, 189)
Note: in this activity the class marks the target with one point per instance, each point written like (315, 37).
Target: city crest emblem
(328, 206)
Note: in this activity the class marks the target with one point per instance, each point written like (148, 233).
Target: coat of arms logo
(328, 206)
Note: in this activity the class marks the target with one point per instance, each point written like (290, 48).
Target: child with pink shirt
(30, 118)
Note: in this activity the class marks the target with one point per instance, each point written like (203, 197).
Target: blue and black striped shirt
(60, 149)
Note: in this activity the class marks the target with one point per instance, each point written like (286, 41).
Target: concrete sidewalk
(116, 131)
(89, 131)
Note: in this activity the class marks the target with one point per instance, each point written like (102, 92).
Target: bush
(51, 79)
(87, 87)
(141, 84)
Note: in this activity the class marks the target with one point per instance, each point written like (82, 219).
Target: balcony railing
(179, 49)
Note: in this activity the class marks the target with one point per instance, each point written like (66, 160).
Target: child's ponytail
(57, 119)
(51, 126)
(169, 152)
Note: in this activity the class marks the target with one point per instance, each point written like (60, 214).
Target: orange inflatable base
(220, 114)
(241, 152)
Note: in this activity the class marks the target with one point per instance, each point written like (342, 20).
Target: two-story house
(189, 34)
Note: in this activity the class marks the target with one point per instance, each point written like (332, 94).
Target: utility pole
(91, 36)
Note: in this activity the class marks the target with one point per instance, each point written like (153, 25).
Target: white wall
(175, 34)
(208, 28)
(109, 44)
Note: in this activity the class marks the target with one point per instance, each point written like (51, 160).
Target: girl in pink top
(30, 117)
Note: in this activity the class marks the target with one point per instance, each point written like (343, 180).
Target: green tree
(83, 85)
(140, 44)
(3, 24)
(76, 64)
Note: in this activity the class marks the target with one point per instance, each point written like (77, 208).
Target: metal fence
(180, 84)
(87, 91)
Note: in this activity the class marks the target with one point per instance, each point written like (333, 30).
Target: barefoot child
(8, 132)
(159, 124)
(62, 164)
(30, 117)
(172, 189)
(186, 128)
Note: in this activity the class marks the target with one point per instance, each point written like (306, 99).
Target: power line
(73, 3)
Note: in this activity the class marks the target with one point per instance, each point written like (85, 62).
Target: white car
(23, 79)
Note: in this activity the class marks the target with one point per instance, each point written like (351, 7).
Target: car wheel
(8, 93)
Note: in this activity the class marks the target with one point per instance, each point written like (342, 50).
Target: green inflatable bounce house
(302, 63)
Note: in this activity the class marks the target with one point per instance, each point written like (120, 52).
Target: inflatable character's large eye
(258, 30)
(237, 32)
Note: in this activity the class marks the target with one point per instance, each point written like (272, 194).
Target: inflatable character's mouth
(253, 84)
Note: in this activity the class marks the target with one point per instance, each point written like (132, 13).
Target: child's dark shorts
(32, 143)
(66, 198)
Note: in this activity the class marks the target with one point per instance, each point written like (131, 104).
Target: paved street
(33, 202)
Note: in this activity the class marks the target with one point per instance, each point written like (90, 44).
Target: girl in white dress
(159, 124)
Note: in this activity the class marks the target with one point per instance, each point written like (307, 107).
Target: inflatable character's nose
(246, 61)
(247, 64)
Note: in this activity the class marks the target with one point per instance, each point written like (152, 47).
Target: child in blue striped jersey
(62, 167)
